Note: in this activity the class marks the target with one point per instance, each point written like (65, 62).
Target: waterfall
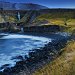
(18, 16)
(22, 29)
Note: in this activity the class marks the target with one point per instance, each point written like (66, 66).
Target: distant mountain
(20, 6)
(29, 6)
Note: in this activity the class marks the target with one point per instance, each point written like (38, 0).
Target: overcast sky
(49, 3)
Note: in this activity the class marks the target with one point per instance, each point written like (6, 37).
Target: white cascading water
(18, 16)
(22, 30)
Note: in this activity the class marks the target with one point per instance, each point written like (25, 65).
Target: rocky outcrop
(9, 27)
(44, 28)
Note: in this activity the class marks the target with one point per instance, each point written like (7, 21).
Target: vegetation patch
(60, 18)
(63, 65)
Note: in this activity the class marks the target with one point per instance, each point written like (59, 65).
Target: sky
(48, 3)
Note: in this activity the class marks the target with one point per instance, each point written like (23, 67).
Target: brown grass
(63, 65)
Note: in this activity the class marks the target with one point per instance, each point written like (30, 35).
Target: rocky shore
(36, 59)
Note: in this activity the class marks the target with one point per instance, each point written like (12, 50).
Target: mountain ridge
(20, 6)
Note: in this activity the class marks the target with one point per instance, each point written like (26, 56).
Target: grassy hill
(60, 17)
(49, 16)
(63, 65)
(7, 18)
(57, 18)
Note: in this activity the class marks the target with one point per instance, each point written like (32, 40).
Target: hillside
(56, 18)
(15, 12)
(28, 14)
(62, 65)
(50, 17)
(4, 17)
(38, 17)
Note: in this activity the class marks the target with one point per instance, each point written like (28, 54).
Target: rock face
(20, 6)
(44, 28)
(9, 27)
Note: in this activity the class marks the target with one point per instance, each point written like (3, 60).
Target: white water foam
(63, 34)
(14, 36)
(12, 45)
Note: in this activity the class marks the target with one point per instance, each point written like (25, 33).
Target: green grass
(63, 65)
(8, 18)
(1, 19)
(65, 19)
(59, 18)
